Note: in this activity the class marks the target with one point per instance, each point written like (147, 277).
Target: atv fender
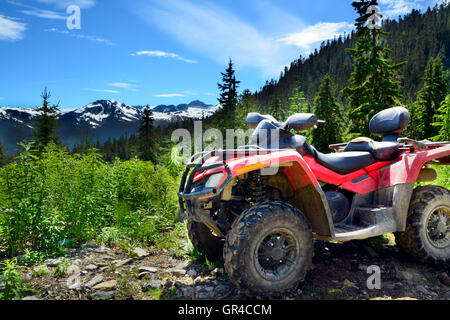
(407, 170)
(308, 196)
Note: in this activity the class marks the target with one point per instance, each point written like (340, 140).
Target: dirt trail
(339, 271)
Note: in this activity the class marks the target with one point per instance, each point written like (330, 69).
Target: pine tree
(326, 108)
(244, 107)
(147, 141)
(412, 130)
(443, 121)
(98, 144)
(276, 109)
(3, 157)
(228, 98)
(360, 22)
(374, 87)
(45, 131)
(298, 102)
(430, 98)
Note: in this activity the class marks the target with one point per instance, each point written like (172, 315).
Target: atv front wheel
(268, 250)
(204, 240)
(427, 234)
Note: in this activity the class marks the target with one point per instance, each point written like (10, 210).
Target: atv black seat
(345, 162)
(383, 151)
(342, 162)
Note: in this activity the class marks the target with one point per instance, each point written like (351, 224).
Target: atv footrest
(367, 222)
(368, 216)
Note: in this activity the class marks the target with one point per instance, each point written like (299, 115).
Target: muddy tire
(269, 250)
(204, 240)
(427, 234)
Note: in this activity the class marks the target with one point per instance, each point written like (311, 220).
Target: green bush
(11, 281)
(53, 199)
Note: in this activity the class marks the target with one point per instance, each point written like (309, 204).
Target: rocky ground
(339, 271)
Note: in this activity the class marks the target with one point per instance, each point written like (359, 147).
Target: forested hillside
(414, 38)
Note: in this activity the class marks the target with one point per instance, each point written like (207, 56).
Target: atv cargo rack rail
(404, 143)
(184, 193)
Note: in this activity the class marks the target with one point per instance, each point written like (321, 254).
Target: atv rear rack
(404, 143)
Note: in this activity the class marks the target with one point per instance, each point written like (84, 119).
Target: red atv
(265, 223)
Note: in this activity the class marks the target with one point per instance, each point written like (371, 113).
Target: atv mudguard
(408, 168)
(301, 179)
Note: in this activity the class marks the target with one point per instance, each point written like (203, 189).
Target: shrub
(11, 281)
(53, 199)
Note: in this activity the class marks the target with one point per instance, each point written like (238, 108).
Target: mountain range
(102, 119)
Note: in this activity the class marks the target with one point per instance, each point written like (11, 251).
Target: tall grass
(50, 200)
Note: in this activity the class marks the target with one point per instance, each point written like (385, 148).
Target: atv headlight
(213, 180)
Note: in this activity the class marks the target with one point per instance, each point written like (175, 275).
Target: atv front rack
(196, 164)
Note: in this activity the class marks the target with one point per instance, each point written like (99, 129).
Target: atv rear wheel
(269, 250)
(427, 234)
(204, 240)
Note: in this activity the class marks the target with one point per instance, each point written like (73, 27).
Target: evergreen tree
(298, 102)
(412, 130)
(443, 121)
(430, 98)
(276, 109)
(244, 107)
(228, 98)
(326, 108)
(147, 141)
(98, 144)
(3, 157)
(45, 131)
(360, 22)
(373, 85)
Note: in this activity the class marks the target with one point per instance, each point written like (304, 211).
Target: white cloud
(124, 85)
(169, 95)
(46, 14)
(102, 90)
(163, 54)
(11, 30)
(317, 33)
(82, 36)
(40, 13)
(62, 4)
(217, 33)
(395, 8)
(121, 85)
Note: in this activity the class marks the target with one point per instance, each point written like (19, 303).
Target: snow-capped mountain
(18, 115)
(95, 113)
(102, 118)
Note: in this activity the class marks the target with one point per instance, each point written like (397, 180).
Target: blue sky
(159, 51)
